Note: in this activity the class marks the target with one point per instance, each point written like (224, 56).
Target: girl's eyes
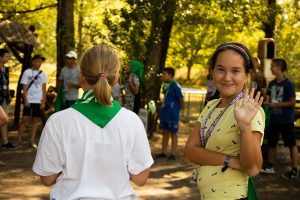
(235, 71)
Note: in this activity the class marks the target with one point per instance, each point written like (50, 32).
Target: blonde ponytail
(100, 67)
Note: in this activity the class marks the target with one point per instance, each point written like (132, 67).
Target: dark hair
(239, 48)
(281, 62)
(3, 51)
(38, 56)
(170, 71)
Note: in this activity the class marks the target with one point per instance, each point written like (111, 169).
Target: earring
(246, 85)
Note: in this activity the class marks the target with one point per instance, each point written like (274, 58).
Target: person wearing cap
(34, 95)
(69, 79)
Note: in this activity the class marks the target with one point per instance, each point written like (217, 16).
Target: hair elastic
(102, 75)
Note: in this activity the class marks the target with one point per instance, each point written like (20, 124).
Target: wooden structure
(20, 41)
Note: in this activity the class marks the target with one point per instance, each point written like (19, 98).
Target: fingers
(257, 97)
(246, 95)
(249, 97)
(251, 93)
(261, 100)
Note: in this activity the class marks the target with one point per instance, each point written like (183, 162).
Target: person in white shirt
(93, 149)
(69, 79)
(34, 95)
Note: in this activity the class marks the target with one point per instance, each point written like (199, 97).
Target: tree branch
(28, 11)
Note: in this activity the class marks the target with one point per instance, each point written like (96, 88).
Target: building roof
(15, 32)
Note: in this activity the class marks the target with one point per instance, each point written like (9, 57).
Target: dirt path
(168, 179)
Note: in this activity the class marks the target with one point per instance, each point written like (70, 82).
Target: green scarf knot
(94, 111)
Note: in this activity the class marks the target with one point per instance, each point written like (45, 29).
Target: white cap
(71, 54)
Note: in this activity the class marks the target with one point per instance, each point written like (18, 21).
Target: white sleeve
(24, 79)
(48, 160)
(44, 78)
(140, 157)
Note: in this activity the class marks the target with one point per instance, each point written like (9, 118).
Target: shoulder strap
(36, 76)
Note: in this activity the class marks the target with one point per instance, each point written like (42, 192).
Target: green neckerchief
(166, 86)
(94, 111)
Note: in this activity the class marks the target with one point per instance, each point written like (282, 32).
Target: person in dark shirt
(281, 100)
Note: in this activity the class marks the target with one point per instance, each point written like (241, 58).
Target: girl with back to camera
(95, 148)
(226, 140)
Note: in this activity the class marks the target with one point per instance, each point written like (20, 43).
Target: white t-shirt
(95, 162)
(35, 92)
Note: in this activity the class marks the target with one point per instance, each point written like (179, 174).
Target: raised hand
(246, 108)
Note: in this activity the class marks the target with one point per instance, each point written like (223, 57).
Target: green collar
(166, 86)
(94, 111)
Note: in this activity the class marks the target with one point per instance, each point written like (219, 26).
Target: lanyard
(213, 125)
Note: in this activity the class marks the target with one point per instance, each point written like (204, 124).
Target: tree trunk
(191, 61)
(64, 31)
(26, 63)
(158, 44)
(80, 24)
(269, 25)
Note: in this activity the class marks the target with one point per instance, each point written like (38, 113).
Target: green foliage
(202, 25)
(287, 39)
(199, 26)
(31, 12)
(131, 29)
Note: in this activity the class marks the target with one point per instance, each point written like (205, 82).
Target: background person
(34, 95)
(281, 101)
(131, 88)
(5, 98)
(101, 147)
(226, 139)
(3, 121)
(69, 79)
(170, 113)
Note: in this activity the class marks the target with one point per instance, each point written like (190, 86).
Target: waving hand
(246, 108)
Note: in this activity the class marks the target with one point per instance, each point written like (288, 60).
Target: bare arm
(250, 153)
(44, 97)
(250, 150)
(181, 103)
(3, 117)
(75, 85)
(193, 152)
(134, 88)
(49, 180)
(141, 178)
(25, 95)
(290, 103)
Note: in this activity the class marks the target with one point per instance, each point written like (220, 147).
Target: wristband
(226, 161)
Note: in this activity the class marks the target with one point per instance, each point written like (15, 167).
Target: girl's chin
(229, 93)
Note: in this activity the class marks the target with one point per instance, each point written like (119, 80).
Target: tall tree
(64, 31)
(13, 11)
(269, 21)
(144, 34)
(157, 46)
